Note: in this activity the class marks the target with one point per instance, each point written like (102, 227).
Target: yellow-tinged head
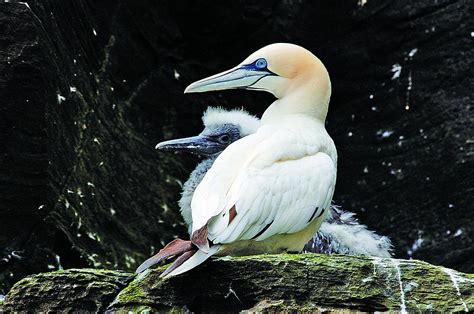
(290, 72)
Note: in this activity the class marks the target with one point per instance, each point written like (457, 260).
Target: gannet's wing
(274, 191)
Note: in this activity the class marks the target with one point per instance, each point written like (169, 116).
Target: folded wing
(272, 191)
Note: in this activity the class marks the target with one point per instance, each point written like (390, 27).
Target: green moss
(141, 309)
(133, 293)
(281, 306)
(312, 258)
(272, 257)
(284, 282)
(25, 283)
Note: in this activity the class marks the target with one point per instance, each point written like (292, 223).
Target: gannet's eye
(261, 63)
(224, 139)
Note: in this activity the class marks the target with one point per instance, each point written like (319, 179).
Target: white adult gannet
(267, 192)
(340, 233)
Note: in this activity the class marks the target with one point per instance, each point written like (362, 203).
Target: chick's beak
(199, 145)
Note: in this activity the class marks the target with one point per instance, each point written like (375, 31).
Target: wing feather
(273, 193)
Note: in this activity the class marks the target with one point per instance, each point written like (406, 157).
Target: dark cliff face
(88, 88)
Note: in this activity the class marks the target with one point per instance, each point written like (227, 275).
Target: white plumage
(340, 232)
(267, 192)
(279, 183)
(245, 122)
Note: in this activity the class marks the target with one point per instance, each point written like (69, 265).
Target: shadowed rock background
(87, 88)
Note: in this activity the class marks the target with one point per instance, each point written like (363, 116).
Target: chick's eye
(224, 139)
(261, 63)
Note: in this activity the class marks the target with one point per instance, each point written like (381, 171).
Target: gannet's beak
(241, 77)
(200, 145)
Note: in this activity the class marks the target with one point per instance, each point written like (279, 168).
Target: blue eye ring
(261, 63)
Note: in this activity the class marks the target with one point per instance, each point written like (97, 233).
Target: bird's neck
(306, 95)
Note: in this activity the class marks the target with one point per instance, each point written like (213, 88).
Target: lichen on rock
(67, 290)
(296, 282)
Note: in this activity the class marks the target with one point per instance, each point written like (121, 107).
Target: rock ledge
(256, 283)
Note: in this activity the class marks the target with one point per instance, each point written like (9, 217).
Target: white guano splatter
(454, 280)
(396, 70)
(61, 99)
(403, 308)
(375, 262)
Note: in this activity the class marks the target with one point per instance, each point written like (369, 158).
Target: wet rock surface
(303, 282)
(88, 88)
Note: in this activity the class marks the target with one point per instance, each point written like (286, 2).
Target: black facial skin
(220, 136)
(212, 140)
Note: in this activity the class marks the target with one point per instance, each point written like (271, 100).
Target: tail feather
(198, 258)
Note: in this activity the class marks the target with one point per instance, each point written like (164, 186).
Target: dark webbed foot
(178, 262)
(175, 248)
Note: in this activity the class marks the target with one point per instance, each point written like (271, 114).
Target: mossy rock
(300, 282)
(67, 290)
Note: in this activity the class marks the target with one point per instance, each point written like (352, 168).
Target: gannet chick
(340, 233)
(221, 128)
(269, 191)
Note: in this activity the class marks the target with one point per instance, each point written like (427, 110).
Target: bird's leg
(199, 239)
(174, 248)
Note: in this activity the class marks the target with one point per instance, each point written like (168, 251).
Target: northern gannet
(269, 191)
(340, 233)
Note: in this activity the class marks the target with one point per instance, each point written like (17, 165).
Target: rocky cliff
(304, 282)
(88, 87)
